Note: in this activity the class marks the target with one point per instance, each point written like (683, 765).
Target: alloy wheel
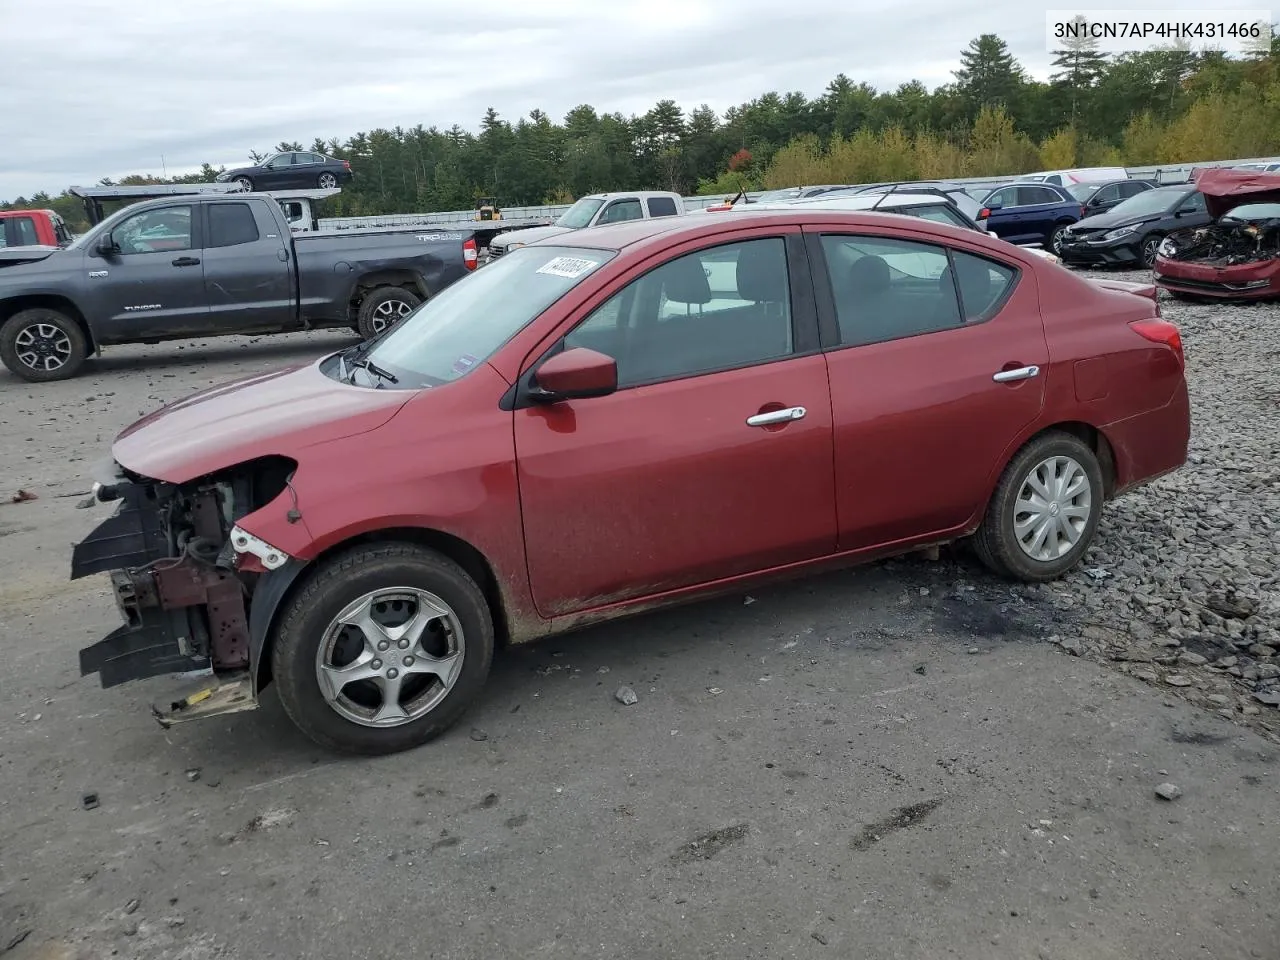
(387, 313)
(328, 181)
(390, 657)
(43, 346)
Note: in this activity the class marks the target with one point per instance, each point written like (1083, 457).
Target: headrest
(869, 275)
(684, 281)
(762, 274)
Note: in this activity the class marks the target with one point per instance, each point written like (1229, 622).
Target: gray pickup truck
(209, 265)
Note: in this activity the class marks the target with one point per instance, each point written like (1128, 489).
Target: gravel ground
(894, 756)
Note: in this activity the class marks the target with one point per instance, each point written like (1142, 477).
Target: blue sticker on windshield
(464, 363)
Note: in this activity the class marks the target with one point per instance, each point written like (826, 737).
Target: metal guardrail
(1163, 173)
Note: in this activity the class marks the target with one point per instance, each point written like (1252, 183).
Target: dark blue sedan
(1030, 213)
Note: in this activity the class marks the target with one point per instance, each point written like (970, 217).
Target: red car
(606, 422)
(1237, 257)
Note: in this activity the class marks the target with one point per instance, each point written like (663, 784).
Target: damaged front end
(1236, 257)
(184, 575)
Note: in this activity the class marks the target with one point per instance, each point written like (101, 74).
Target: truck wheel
(1045, 510)
(326, 181)
(382, 649)
(41, 344)
(383, 307)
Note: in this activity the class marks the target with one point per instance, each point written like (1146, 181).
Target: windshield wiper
(364, 363)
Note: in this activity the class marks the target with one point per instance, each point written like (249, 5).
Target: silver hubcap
(1149, 250)
(244, 184)
(390, 657)
(1055, 240)
(43, 346)
(388, 312)
(1052, 509)
(328, 181)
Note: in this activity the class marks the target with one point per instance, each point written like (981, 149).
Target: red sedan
(1237, 257)
(607, 422)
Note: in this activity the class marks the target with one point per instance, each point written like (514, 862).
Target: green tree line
(1171, 105)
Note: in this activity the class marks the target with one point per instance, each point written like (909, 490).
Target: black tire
(245, 184)
(1150, 247)
(383, 307)
(326, 181)
(33, 339)
(996, 542)
(338, 583)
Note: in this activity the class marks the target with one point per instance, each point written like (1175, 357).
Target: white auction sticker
(568, 267)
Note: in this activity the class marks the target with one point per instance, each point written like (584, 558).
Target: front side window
(715, 309)
(1108, 194)
(463, 325)
(231, 224)
(162, 230)
(1008, 197)
(621, 210)
(1193, 204)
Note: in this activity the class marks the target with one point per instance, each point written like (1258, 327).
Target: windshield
(1254, 211)
(580, 214)
(467, 322)
(1148, 202)
(1083, 191)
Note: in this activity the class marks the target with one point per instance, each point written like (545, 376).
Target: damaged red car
(604, 423)
(1237, 256)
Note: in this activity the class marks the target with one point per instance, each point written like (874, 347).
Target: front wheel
(41, 344)
(384, 307)
(245, 184)
(382, 649)
(1150, 247)
(1045, 510)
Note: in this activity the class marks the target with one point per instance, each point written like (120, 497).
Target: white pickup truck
(593, 211)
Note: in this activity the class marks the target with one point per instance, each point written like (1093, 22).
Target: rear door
(712, 459)
(248, 274)
(936, 360)
(153, 285)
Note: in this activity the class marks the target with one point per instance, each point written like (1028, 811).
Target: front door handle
(776, 416)
(1021, 373)
(187, 262)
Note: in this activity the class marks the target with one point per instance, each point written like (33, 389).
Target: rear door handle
(187, 262)
(776, 416)
(1021, 373)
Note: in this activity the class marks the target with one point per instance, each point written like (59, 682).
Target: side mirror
(106, 247)
(575, 375)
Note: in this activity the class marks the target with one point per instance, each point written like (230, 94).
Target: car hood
(1225, 189)
(280, 413)
(528, 235)
(1110, 220)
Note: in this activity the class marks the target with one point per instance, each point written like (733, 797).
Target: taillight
(1160, 331)
(469, 254)
(984, 213)
(346, 164)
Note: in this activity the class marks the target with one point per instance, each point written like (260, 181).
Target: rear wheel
(384, 307)
(382, 649)
(1045, 510)
(326, 181)
(41, 344)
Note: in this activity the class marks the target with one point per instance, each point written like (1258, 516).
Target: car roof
(866, 200)
(642, 233)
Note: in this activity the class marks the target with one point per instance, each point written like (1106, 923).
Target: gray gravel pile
(1183, 585)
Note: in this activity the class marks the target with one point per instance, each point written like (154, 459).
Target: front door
(712, 459)
(931, 382)
(153, 284)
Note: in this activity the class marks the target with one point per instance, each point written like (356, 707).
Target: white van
(1067, 178)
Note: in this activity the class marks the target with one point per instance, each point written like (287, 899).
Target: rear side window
(1033, 195)
(983, 284)
(661, 207)
(888, 289)
(231, 224)
(942, 213)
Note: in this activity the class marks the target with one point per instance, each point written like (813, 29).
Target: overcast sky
(96, 89)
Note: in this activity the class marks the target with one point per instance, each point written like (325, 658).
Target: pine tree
(1079, 64)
